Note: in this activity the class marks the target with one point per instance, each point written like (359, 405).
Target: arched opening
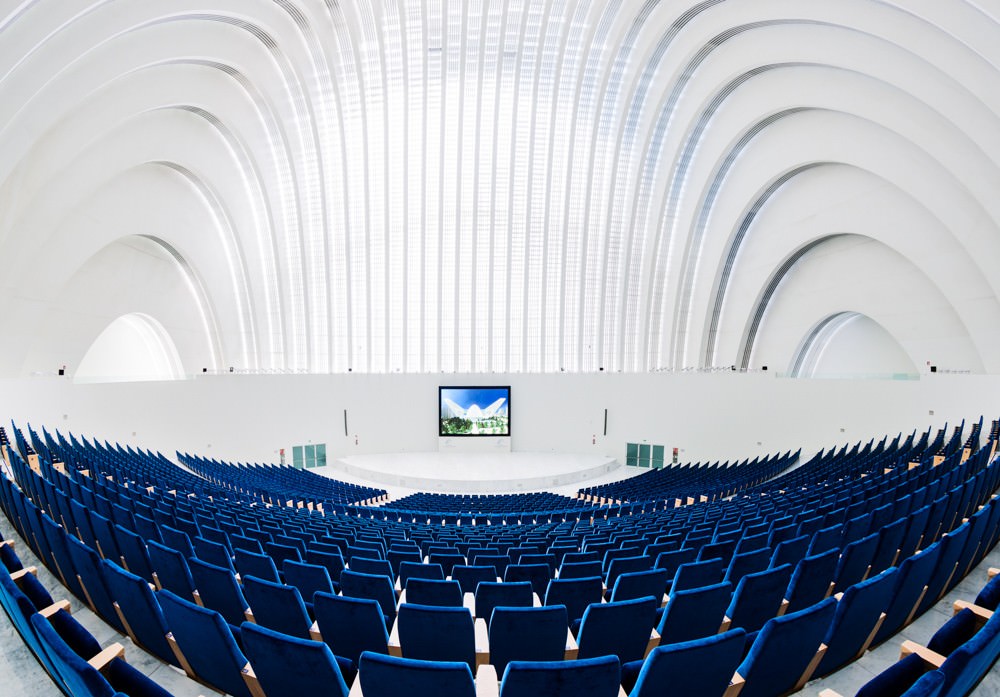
(134, 347)
(850, 344)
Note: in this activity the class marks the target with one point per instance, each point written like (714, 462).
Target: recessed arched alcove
(134, 347)
(851, 344)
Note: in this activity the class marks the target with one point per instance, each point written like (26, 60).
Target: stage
(477, 473)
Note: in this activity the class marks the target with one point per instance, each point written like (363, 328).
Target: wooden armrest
(314, 632)
(926, 655)
(401, 598)
(654, 641)
(101, 660)
(197, 598)
(394, 647)
(735, 685)
(535, 600)
(250, 678)
(981, 613)
(829, 693)
(482, 641)
(397, 587)
(356, 688)
(727, 622)
(248, 613)
(992, 571)
(125, 624)
(21, 573)
(871, 637)
(572, 649)
(469, 603)
(487, 682)
(783, 607)
(12, 543)
(55, 607)
(179, 655)
(811, 668)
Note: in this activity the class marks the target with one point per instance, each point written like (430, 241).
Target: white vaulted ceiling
(502, 185)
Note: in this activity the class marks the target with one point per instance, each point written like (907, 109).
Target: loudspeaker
(605, 422)
(933, 368)
(345, 422)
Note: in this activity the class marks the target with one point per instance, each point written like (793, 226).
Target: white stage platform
(475, 473)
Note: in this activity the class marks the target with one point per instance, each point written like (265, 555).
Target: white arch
(134, 347)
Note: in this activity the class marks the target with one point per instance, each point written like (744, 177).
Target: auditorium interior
(499, 348)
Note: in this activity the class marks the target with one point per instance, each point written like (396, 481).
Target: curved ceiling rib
(504, 185)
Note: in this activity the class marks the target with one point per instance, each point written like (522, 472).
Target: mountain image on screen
(471, 411)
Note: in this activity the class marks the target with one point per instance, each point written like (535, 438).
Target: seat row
(78, 664)
(955, 659)
(110, 541)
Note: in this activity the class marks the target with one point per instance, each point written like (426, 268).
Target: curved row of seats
(740, 539)
(955, 658)
(703, 480)
(68, 652)
(279, 483)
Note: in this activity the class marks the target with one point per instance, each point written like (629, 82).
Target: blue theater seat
(859, 613)
(287, 666)
(277, 606)
(695, 614)
(139, 610)
(437, 633)
(758, 597)
(372, 586)
(425, 591)
(82, 667)
(698, 668)
(206, 643)
(469, 577)
(638, 584)
(786, 651)
(382, 676)
(812, 580)
(624, 629)
(350, 626)
(527, 634)
(593, 677)
(309, 579)
(576, 595)
(490, 595)
(170, 570)
(216, 588)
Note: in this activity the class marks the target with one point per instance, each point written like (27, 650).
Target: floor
(21, 675)
(476, 473)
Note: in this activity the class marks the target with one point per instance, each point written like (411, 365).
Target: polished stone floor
(22, 676)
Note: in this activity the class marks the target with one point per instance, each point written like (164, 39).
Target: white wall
(709, 416)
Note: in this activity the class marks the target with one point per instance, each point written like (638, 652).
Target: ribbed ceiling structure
(500, 185)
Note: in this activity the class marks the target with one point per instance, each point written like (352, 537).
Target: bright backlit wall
(708, 416)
